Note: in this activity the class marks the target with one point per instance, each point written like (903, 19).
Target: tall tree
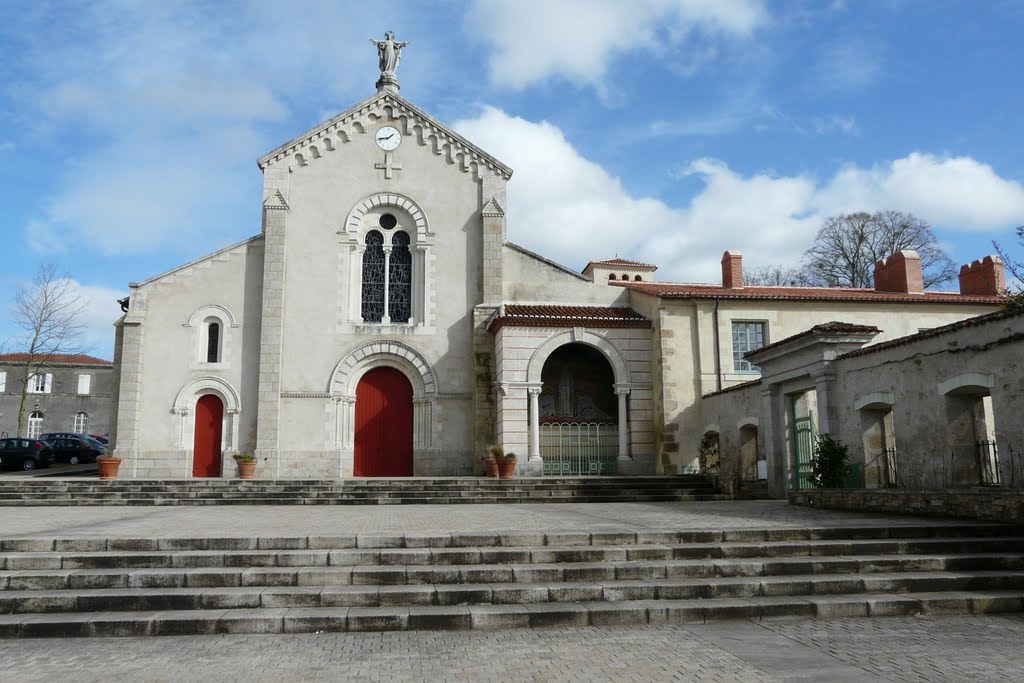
(848, 245)
(775, 275)
(49, 313)
(1015, 270)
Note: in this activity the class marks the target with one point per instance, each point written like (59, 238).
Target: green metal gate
(803, 445)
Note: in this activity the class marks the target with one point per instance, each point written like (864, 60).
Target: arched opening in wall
(752, 467)
(803, 408)
(625, 277)
(208, 437)
(212, 340)
(383, 424)
(637, 278)
(35, 424)
(81, 425)
(611, 276)
(881, 462)
(400, 278)
(373, 278)
(578, 412)
(971, 421)
(709, 453)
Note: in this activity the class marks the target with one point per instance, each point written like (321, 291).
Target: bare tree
(1015, 269)
(775, 275)
(49, 314)
(848, 245)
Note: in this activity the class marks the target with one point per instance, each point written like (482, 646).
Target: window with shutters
(84, 384)
(3, 382)
(40, 383)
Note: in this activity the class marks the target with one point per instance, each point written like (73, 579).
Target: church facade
(382, 325)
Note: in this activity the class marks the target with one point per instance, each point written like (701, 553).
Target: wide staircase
(445, 581)
(421, 490)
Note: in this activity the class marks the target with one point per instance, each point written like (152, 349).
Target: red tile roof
(620, 262)
(56, 359)
(706, 291)
(522, 315)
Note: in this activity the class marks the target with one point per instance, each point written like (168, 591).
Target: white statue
(389, 52)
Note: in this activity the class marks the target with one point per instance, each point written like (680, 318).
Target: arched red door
(383, 424)
(206, 447)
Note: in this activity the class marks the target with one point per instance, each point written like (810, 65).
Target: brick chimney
(900, 272)
(732, 269)
(984, 276)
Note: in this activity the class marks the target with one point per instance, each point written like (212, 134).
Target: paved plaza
(956, 648)
(322, 520)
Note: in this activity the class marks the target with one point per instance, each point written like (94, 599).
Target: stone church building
(382, 325)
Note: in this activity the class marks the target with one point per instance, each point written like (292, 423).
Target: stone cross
(388, 166)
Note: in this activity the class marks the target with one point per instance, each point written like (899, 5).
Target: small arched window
(35, 425)
(81, 423)
(611, 276)
(625, 277)
(373, 278)
(213, 342)
(399, 279)
(638, 278)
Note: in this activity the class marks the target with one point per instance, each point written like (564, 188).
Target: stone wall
(990, 505)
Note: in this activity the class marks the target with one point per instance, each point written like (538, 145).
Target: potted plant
(246, 463)
(491, 462)
(108, 467)
(506, 463)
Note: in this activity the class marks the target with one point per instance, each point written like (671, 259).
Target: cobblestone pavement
(954, 648)
(305, 520)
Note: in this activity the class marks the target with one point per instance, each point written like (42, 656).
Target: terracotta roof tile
(57, 359)
(525, 315)
(706, 291)
(620, 262)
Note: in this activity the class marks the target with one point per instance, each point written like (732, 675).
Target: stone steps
(361, 491)
(387, 581)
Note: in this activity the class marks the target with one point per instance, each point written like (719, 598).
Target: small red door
(383, 424)
(206, 447)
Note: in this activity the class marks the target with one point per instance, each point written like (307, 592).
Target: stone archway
(186, 408)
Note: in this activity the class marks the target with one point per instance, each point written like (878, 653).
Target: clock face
(388, 138)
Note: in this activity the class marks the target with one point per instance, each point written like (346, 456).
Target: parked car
(25, 454)
(102, 439)
(74, 449)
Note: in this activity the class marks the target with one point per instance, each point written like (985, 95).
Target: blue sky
(663, 130)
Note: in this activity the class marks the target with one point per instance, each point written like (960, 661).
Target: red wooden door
(383, 424)
(206, 447)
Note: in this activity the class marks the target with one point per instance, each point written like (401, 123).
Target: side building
(70, 393)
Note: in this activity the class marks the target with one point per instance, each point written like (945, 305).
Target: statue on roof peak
(389, 52)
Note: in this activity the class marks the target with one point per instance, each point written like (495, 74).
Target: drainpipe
(718, 350)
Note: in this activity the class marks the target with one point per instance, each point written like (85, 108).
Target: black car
(25, 454)
(74, 449)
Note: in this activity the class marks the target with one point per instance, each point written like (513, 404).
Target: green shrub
(831, 463)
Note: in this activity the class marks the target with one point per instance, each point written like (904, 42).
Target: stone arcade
(382, 325)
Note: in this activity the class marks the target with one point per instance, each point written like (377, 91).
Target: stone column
(534, 411)
(268, 414)
(623, 393)
(128, 357)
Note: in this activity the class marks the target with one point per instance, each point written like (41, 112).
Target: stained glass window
(213, 343)
(373, 278)
(399, 279)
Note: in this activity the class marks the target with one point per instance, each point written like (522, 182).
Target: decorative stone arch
(711, 428)
(551, 344)
(876, 400)
(356, 363)
(749, 421)
(198, 319)
(969, 382)
(384, 199)
(185, 404)
(383, 354)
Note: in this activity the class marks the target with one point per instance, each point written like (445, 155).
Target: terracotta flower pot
(506, 468)
(492, 467)
(108, 467)
(246, 469)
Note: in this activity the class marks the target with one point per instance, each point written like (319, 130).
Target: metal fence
(988, 463)
(579, 448)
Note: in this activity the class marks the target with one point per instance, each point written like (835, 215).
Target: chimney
(984, 276)
(732, 269)
(900, 272)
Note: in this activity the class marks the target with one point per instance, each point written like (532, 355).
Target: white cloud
(101, 312)
(577, 39)
(570, 209)
(957, 193)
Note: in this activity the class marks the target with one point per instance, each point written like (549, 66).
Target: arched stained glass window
(213, 343)
(399, 279)
(373, 278)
